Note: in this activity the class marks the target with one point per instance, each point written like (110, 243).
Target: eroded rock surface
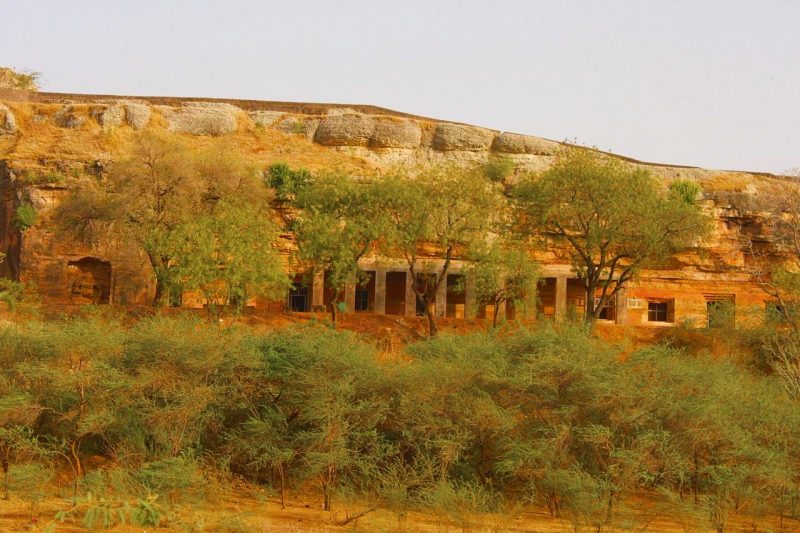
(202, 118)
(450, 137)
(8, 123)
(396, 133)
(66, 117)
(514, 143)
(345, 130)
(137, 115)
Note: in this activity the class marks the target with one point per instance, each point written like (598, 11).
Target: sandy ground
(241, 511)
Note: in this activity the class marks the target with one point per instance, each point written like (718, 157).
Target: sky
(694, 82)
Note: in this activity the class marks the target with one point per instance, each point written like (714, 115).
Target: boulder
(396, 133)
(345, 130)
(265, 118)
(298, 126)
(112, 117)
(66, 118)
(449, 137)
(514, 143)
(8, 123)
(202, 118)
(137, 115)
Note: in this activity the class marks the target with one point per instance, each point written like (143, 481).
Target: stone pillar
(622, 306)
(529, 302)
(380, 292)
(561, 297)
(350, 298)
(501, 312)
(411, 297)
(318, 292)
(441, 299)
(470, 298)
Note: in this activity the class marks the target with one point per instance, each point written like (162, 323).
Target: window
(635, 303)
(720, 310)
(777, 313)
(298, 298)
(609, 310)
(657, 312)
(362, 299)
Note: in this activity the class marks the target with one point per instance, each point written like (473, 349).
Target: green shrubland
(486, 422)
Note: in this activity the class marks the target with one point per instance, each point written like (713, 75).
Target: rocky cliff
(49, 141)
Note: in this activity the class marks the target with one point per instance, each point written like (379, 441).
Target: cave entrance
(89, 281)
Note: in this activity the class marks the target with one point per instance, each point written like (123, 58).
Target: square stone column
(441, 299)
(318, 291)
(501, 312)
(561, 297)
(350, 298)
(411, 297)
(380, 292)
(529, 302)
(622, 306)
(470, 298)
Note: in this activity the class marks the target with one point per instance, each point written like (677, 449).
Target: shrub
(686, 190)
(286, 182)
(498, 168)
(24, 217)
(11, 292)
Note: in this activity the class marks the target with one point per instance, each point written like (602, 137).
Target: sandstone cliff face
(69, 136)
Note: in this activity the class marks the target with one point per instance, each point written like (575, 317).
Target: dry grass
(249, 508)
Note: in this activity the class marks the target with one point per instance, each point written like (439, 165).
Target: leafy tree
(339, 222)
(444, 210)
(149, 195)
(265, 444)
(776, 265)
(286, 181)
(228, 255)
(326, 391)
(611, 219)
(498, 169)
(502, 274)
(66, 371)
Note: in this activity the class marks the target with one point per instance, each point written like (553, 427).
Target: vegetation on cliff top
(13, 79)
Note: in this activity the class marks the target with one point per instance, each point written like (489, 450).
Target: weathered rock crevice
(10, 236)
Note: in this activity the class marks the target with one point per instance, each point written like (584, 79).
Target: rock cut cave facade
(709, 287)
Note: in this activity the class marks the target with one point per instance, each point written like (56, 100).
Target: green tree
(441, 211)
(339, 222)
(228, 255)
(610, 218)
(286, 181)
(327, 399)
(152, 193)
(502, 274)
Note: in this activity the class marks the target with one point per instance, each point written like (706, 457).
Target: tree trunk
(333, 313)
(161, 288)
(334, 296)
(590, 311)
(432, 329)
(496, 310)
(283, 487)
(5, 478)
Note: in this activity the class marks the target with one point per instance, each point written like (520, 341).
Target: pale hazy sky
(697, 82)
